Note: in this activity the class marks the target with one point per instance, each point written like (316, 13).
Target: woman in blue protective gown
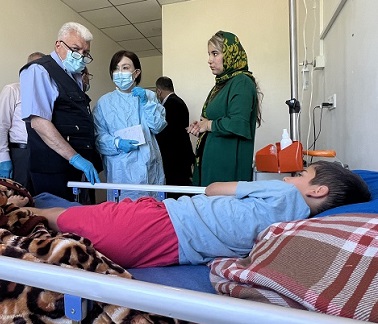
(126, 121)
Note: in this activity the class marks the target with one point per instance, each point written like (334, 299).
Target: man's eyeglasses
(87, 58)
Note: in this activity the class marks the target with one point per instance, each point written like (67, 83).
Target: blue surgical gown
(117, 110)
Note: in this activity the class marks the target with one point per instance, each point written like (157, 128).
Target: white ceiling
(133, 24)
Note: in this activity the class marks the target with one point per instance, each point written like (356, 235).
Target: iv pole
(293, 103)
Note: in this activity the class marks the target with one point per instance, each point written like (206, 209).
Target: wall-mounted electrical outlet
(332, 100)
(319, 62)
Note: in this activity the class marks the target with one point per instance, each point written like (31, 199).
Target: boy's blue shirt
(206, 225)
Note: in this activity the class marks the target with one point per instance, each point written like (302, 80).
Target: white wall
(351, 51)
(263, 29)
(152, 69)
(29, 26)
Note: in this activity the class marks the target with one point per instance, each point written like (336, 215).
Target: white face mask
(123, 80)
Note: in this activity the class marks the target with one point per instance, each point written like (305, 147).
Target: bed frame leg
(76, 192)
(116, 194)
(76, 308)
(161, 195)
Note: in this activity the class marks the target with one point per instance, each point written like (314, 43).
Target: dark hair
(165, 83)
(345, 187)
(117, 57)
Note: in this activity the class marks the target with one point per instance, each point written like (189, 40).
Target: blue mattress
(197, 277)
(193, 277)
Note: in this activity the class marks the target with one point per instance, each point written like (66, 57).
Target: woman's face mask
(73, 65)
(123, 80)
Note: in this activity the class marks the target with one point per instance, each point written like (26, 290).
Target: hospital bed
(182, 292)
(163, 290)
(172, 302)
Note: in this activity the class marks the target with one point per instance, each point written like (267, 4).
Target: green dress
(229, 147)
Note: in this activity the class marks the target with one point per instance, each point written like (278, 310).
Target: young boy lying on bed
(223, 222)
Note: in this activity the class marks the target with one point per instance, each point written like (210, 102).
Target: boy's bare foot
(18, 200)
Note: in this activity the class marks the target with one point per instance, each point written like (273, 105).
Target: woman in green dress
(226, 129)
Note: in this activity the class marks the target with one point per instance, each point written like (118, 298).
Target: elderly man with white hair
(57, 114)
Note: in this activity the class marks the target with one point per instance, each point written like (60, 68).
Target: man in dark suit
(174, 142)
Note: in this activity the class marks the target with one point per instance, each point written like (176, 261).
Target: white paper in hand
(132, 133)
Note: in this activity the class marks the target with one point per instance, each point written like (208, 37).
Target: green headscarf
(234, 58)
(234, 62)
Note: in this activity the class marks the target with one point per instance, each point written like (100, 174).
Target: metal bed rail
(178, 303)
(117, 187)
(142, 187)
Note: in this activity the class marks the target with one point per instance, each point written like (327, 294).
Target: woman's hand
(193, 128)
(198, 127)
(141, 93)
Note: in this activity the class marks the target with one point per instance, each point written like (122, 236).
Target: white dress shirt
(12, 127)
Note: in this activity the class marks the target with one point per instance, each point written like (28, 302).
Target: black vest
(72, 118)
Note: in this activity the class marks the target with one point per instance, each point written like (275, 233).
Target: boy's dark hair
(165, 83)
(345, 187)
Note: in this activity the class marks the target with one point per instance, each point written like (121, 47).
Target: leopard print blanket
(26, 236)
(9, 187)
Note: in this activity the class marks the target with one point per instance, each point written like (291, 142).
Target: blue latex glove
(127, 145)
(141, 93)
(87, 167)
(6, 169)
